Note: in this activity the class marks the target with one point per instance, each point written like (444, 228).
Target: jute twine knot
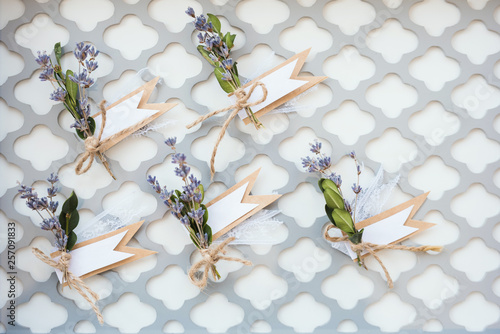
(241, 103)
(92, 146)
(73, 281)
(210, 257)
(371, 248)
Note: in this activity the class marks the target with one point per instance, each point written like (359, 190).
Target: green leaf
(73, 221)
(236, 75)
(178, 193)
(70, 204)
(91, 122)
(228, 40)
(328, 184)
(329, 214)
(205, 215)
(194, 240)
(225, 85)
(58, 52)
(82, 134)
(333, 200)
(357, 237)
(71, 86)
(205, 55)
(215, 22)
(71, 241)
(62, 219)
(208, 231)
(202, 191)
(343, 220)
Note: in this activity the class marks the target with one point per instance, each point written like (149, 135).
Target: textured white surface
(413, 85)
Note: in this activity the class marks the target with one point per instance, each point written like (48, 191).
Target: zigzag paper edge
(139, 253)
(420, 225)
(311, 81)
(261, 200)
(162, 108)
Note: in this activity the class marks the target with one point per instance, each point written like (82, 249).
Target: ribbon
(372, 248)
(211, 256)
(72, 280)
(241, 103)
(92, 148)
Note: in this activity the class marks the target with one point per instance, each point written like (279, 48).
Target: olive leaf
(215, 23)
(225, 85)
(208, 230)
(58, 52)
(205, 55)
(69, 219)
(71, 241)
(328, 184)
(343, 221)
(71, 203)
(333, 200)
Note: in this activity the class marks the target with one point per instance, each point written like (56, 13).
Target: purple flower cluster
(74, 98)
(185, 205)
(216, 47)
(46, 208)
(320, 163)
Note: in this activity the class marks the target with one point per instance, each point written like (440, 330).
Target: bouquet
(187, 206)
(70, 88)
(62, 227)
(380, 231)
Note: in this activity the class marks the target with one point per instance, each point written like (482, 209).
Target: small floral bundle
(65, 238)
(187, 206)
(71, 88)
(338, 210)
(62, 227)
(215, 47)
(391, 226)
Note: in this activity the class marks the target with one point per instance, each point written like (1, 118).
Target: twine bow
(372, 248)
(241, 103)
(92, 148)
(72, 280)
(211, 256)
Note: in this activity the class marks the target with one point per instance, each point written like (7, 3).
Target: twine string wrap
(73, 281)
(92, 148)
(371, 248)
(210, 257)
(241, 103)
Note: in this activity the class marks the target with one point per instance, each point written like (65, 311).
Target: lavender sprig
(215, 47)
(338, 210)
(46, 208)
(71, 88)
(186, 205)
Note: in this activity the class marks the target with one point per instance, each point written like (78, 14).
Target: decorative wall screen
(413, 86)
